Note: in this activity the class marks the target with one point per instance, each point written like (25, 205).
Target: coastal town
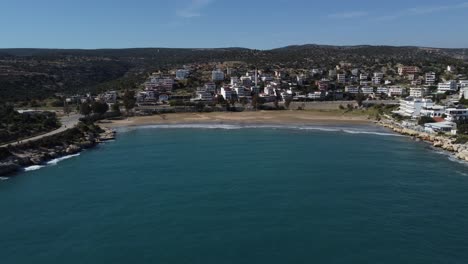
(427, 105)
(439, 98)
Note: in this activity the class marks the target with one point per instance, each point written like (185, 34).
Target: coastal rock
(72, 149)
(87, 144)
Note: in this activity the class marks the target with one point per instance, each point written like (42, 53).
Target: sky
(90, 24)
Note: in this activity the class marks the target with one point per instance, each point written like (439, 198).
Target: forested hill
(39, 73)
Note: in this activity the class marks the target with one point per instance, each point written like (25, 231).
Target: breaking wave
(50, 163)
(347, 130)
(57, 160)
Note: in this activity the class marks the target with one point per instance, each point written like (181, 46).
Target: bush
(425, 119)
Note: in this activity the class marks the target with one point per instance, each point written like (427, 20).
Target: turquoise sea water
(253, 195)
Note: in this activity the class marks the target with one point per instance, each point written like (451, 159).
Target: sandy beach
(260, 117)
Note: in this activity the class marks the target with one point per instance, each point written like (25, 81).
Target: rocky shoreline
(446, 143)
(22, 156)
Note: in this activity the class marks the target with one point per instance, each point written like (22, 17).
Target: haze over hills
(39, 73)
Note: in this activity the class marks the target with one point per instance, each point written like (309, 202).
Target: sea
(240, 194)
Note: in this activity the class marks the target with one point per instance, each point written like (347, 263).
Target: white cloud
(346, 15)
(193, 9)
(423, 10)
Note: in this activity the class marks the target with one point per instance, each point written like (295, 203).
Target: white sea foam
(371, 133)
(33, 168)
(50, 163)
(347, 130)
(57, 160)
(4, 178)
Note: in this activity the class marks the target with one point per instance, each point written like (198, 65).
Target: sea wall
(51, 148)
(439, 141)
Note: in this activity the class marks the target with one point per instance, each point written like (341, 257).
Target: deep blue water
(240, 196)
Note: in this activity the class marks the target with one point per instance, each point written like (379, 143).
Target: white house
(182, 74)
(382, 90)
(341, 78)
(430, 78)
(163, 98)
(450, 86)
(376, 80)
(203, 96)
(411, 107)
(464, 92)
(417, 92)
(217, 75)
(441, 127)
(395, 91)
(363, 77)
(226, 92)
(367, 90)
(433, 111)
(455, 114)
(210, 87)
(352, 89)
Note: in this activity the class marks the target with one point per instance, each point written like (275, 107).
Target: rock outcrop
(439, 141)
(24, 156)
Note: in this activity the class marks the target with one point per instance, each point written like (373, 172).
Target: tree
(116, 108)
(100, 108)
(287, 101)
(85, 109)
(424, 120)
(462, 129)
(66, 108)
(129, 100)
(360, 98)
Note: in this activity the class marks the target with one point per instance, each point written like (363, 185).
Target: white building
(464, 92)
(450, 68)
(267, 78)
(226, 92)
(363, 77)
(217, 75)
(210, 87)
(450, 86)
(315, 95)
(109, 97)
(376, 80)
(341, 78)
(432, 111)
(441, 127)
(235, 81)
(417, 92)
(367, 90)
(182, 74)
(395, 91)
(455, 114)
(430, 78)
(382, 90)
(352, 89)
(240, 91)
(378, 75)
(463, 84)
(411, 107)
(203, 96)
(316, 71)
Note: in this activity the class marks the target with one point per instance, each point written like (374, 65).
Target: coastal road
(68, 122)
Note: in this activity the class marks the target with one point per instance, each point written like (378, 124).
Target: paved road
(67, 123)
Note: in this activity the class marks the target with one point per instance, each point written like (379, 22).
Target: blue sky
(228, 23)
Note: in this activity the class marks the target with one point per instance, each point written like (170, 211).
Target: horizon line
(234, 47)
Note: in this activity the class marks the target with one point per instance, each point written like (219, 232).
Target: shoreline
(242, 118)
(438, 142)
(54, 149)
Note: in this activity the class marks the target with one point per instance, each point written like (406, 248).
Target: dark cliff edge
(84, 136)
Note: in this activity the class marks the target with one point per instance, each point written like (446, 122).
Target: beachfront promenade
(67, 122)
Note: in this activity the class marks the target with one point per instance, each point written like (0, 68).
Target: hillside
(39, 73)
